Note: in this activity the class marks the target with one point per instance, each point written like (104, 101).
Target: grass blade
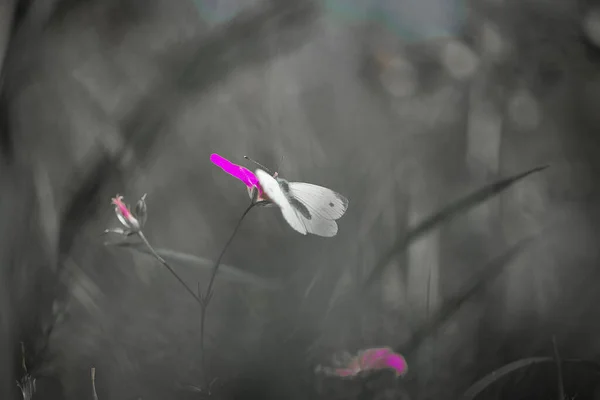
(494, 268)
(481, 385)
(432, 222)
(500, 373)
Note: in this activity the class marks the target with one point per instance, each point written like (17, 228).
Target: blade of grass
(481, 385)
(226, 271)
(500, 373)
(494, 268)
(434, 221)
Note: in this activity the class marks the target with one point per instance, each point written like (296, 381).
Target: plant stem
(218, 262)
(209, 291)
(560, 382)
(94, 384)
(203, 301)
(168, 267)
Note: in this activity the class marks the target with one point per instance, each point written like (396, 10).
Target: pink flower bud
(124, 215)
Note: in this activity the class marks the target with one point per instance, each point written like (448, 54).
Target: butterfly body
(307, 208)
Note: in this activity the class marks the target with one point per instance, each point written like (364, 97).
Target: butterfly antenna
(259, 164)
(280, 164)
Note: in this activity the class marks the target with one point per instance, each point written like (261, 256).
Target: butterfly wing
(319, 207)
(321, 201)
(319, 226)
(237, 171)
(276, 194)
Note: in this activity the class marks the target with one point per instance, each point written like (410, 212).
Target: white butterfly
(307, 208)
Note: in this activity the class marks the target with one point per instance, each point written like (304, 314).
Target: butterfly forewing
(319, 200)
(275, 192)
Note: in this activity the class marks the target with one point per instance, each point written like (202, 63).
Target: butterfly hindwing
(320, 226)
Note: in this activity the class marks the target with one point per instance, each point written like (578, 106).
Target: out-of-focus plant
(520, 374)
(27, 382)
(228, 272)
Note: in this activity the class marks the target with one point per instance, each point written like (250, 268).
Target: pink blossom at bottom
(370, 360)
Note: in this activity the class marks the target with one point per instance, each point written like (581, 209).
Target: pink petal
(374, 358)
(397, 363)
(239, 172)
(369, 360)
(123, 214)
(122, 208)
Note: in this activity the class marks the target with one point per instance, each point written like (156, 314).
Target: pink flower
(133, 223)
(241, 173)
(368, 360)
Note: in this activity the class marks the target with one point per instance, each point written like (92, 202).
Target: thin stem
(560, 382)
(209, 291)
(208, 294)
(23, 363)
(167, 266)
(94, 384)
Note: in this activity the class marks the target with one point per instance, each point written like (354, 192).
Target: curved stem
(209, 291)
(168, 267)
(208, 294)
(94, 384)
(202, 300)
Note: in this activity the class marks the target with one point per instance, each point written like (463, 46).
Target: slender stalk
(203, 300)
(168, 267)
(560, 382)
(209, 292)
(94, 384)
(218, 262)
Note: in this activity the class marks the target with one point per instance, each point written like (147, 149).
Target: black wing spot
(330, 204)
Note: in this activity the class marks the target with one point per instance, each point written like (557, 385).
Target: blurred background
(406, 107)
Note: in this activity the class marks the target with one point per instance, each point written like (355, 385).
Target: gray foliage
(131, 97)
